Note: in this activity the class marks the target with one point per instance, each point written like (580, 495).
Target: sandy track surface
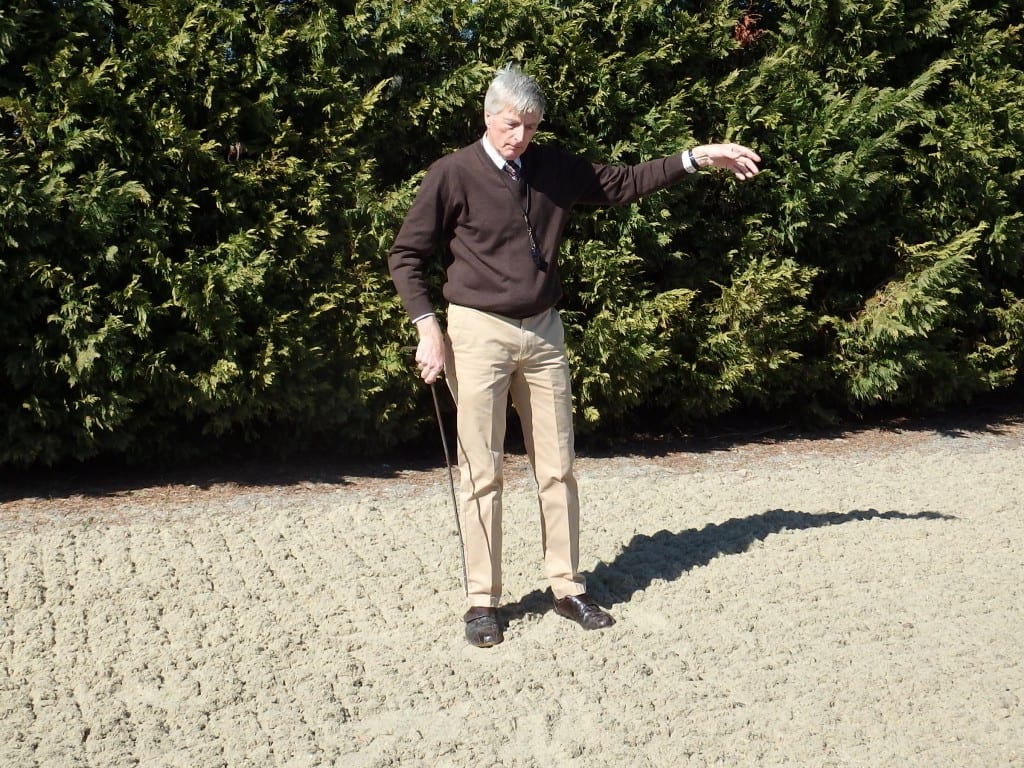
(842, 600)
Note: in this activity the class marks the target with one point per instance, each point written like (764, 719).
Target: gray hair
(511, 87)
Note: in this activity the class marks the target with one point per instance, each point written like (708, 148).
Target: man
(497, 209)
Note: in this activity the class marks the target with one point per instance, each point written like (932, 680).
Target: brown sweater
(471, 210)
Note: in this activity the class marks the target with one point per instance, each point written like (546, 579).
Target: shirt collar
(495, 156)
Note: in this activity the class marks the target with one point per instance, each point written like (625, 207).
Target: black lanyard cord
(535, 252)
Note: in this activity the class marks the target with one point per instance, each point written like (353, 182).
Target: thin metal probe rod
(451, 485)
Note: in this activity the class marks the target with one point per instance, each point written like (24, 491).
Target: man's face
(510, 132)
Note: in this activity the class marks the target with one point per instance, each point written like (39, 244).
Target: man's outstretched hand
(741, 160)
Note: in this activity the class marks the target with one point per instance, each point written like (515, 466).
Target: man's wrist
(690, 164)
(428, 327)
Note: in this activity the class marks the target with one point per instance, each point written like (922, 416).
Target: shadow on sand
(666, 556)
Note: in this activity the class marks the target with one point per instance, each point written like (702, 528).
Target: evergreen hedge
(199, 198)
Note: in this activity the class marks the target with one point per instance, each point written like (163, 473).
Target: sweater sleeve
(625, 184)
(416, 243)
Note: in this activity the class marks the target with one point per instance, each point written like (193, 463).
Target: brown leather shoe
(584, 611)
(482, 627)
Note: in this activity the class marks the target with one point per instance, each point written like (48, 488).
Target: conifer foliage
(198, 199)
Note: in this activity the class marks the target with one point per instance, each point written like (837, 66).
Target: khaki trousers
(489, 357)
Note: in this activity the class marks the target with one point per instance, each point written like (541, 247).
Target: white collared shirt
(495, 156)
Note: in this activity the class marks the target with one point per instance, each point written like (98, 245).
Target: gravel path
(841, 600)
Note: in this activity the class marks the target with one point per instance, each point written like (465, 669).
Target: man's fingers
(741, 160)
(745, 162)
(746, 153)
(429, 372)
